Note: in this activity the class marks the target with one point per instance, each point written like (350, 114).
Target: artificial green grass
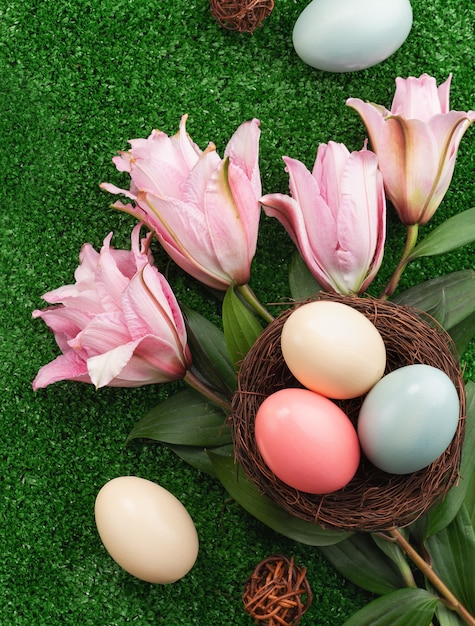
(78, 78)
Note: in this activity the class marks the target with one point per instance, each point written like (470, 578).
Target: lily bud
(416, 143)
(336, 216)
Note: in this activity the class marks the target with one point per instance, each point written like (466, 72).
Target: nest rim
(373, 500)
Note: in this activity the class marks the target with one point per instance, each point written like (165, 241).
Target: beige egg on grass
(146, 529)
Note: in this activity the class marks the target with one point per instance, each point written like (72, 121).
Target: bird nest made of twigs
(373, 500)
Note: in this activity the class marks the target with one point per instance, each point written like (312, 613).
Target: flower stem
(251, 298)
(411, 239)
(196, 384)
(449, 599)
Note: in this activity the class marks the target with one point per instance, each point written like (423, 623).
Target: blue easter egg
(408, 418)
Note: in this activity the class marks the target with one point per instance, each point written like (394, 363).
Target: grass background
(78, 78)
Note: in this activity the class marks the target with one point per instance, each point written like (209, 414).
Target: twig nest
(277, 593)
(241, 15)
(373, 500)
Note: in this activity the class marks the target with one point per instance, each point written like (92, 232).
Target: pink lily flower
(336, 216)
(416, 143)
(204, 210)
(118, 325)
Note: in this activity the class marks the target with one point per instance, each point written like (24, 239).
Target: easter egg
(146, 529)
(307, 441)
(349, 35)
(333, 349)
(408, 418)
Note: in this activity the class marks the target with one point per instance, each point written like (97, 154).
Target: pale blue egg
(346, 35)
(408, 418)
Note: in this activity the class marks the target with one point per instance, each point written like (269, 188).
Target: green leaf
(194, 456)
(185, 419)
(446, 617)
(450, 299)
(198, 457)
(210, 354)
(463, 332)
(241, 489)
(397, 556)
(241, 326)
(452, 553)
(301, 282)
(404, 607)
(443, 514)
(469, 500)
(360, 560)
(457, 231)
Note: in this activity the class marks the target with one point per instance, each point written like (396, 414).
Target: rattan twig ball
(373, 500)
(277, 593)
(241, 15)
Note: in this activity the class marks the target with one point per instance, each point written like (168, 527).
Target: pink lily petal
(373, 118)
(289, 213)
(84, 287)
(407, 184)
(217, 280)
(117, 190)
(231, 212)
(150, 307)
(416, 98)
(444, 95)
(243, 150)
(329, 166)
(110, 282)
(138, 211)
(65, 322)
(140, 251)
(69, 295)
(448, 131)
(135, 364)
(105, 366)
(361, 218)
(122, 161)
(126, 261)
(417, 190)
(194, 188)
(103, 333)
(181, 229)
(88, 260)
(69, 366)
(182, 142)
(305, 189)
(167, 361)
(159, 288)
(248, 210)
(157, 176)
(158, 147)
(317, 235)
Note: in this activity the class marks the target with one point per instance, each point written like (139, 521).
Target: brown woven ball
(277, 593)
(374, 500)
(241, 15)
